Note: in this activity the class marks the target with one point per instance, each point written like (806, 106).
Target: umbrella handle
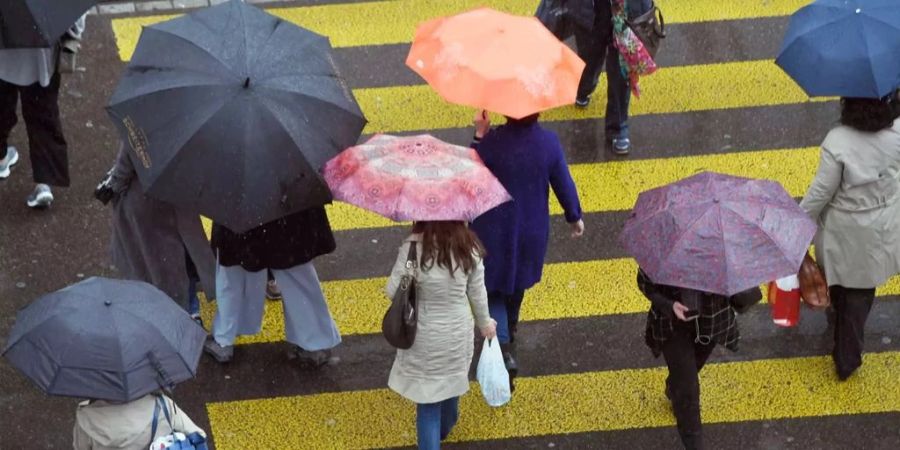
(163, 379)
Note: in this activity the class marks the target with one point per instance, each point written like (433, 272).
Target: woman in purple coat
(528, 160)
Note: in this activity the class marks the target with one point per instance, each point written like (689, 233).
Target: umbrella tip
(247, 83)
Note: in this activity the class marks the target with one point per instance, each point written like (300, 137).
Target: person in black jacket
(286, 247)
(686, 342)
(594, 42)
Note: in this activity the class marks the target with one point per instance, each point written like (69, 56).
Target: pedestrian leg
(239, 304)
(428, 426)
(497, 308)
(618, 92)
(851, 308)
(683, 384)
(49, 152)
(9, 98)
(449, 416)
(307, 321)
(592, 51)
(513, 306)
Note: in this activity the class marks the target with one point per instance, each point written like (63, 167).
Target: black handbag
(650, 28)
(401, 319)
(554, 14)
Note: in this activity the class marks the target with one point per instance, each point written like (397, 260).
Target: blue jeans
(504, 309)
(194, 301)
(434, 421)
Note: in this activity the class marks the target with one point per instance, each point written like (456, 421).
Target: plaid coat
(716, 324)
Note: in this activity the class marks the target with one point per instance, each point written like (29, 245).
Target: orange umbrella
(496, 61)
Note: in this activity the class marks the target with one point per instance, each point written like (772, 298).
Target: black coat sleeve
(660, 296)
(742, 301)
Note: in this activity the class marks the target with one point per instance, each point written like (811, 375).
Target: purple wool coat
(528, 160)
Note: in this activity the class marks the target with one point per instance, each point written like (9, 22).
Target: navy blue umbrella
(847, 48)
(105, 339)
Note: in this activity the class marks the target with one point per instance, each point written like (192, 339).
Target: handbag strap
(412, 259)
(160, 403)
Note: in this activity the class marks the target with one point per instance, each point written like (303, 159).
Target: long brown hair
(444, 242)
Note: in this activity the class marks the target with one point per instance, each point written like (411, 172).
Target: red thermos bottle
(784, 296)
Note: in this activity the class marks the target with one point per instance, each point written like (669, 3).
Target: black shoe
(583, 102)
(310, 359)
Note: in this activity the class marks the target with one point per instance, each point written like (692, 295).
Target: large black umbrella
(105, 339)
(231, 112)
(38, 23)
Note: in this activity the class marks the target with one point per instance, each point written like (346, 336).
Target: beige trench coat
(101, 425)
(854, 198)
(436, 367)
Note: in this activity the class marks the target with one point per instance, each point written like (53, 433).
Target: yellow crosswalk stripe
(615, 185)
(568, 290)
(595, 401)
(702, 87)
(394, 22)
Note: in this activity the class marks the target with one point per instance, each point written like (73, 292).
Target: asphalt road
(719, 103)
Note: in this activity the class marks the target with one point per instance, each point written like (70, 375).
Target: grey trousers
(240, 306)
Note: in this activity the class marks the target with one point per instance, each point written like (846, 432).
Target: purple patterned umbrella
(717, 233)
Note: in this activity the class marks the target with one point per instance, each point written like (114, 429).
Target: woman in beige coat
(434, 372)
(855, 197)
(102, 425)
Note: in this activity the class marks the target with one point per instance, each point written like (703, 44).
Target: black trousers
(851, 309)
(40, 109)
(685, 358)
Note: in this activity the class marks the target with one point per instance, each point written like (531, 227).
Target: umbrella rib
(764, 232)
(225, 68)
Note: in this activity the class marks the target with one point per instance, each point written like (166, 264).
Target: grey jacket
(855, 198)
(27, 66)
(150, 238)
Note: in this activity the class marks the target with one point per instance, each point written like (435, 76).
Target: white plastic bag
(492, 374)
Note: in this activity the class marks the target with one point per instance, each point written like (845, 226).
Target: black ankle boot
(509, 359)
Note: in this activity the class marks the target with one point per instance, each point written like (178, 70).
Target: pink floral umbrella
(414, 178)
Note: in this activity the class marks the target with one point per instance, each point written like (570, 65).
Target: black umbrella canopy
(105, 339)
(38, 23)
(231, 112)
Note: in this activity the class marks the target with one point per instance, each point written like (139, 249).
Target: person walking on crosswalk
(684, 326)
(593, 25)
(32, 75)
(528, 160)
(434, 372)
(855, 198)
(286, 247)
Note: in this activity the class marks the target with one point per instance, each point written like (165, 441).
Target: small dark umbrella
(231, 112)
(38, 23)
(105, 339)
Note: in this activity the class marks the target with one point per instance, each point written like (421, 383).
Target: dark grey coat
(149, 238)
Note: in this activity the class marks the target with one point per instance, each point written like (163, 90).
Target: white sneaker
(12, 157)
(41, 197)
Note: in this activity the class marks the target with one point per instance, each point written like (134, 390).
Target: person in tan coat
(434, 372)
(102, 425)
(855, 198)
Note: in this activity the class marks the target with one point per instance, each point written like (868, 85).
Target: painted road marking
(394, 22)
(768, 389)
(567, 290)
(615, 185)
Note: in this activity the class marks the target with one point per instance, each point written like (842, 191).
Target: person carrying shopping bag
(439, 187)
(434, 372)
(855, 198)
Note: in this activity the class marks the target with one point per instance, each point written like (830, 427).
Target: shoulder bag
(401, 319)
(650, 28)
